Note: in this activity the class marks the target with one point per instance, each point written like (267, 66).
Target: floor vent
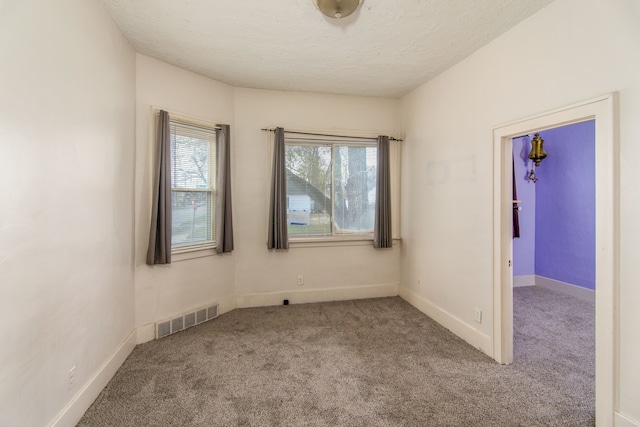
(187, 320)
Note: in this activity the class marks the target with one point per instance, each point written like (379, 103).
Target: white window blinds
(193, 180)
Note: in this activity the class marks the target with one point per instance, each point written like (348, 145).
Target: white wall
(570, 51)
(251, 275)
(264, 277)
(74, 214)
(66, 214)
(163, 291)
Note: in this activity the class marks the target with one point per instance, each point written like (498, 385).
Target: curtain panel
(278, 237)
(159, 251)
(224, 218)
(382, 222)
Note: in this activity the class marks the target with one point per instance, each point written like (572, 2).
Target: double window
(331, 188)
(193, 179)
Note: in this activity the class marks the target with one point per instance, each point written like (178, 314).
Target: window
(193, 178)
(331, 188)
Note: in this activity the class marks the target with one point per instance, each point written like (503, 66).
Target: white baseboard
(226, 305)
(623, 421)
(316, 295)
(527, 280)
(471, 335)
(145, 333)
(566, 288)
(75, 409)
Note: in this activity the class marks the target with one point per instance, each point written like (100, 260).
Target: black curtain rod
(521, 136)
(333, 136)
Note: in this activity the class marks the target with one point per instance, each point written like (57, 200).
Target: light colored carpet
(377, 362)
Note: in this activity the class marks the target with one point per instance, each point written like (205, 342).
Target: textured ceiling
(386, 48)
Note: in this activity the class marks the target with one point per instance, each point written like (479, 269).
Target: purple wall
(565, 206)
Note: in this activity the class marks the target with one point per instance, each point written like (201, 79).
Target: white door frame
(604, 111)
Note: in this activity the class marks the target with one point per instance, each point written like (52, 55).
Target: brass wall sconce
(537, 154)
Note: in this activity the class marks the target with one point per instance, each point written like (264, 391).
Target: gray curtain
(382, 225)
(159, 251)
(224, 221)
(278, 235)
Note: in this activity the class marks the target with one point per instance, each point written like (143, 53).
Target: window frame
(207, 248)
(343, 238)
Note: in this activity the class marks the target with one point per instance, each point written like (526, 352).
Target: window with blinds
(193, 179)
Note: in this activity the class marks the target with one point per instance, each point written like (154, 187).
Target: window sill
(183, 255)
(335, 241)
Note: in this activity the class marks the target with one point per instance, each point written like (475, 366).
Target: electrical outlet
(478, 315)
(72, 376)
(300, 280)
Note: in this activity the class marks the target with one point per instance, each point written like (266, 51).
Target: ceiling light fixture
(337, 8)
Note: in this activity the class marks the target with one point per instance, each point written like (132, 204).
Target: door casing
(604, 111)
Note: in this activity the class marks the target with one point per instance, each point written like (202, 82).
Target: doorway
(602, 110)
(554, 263)
(554, 216)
